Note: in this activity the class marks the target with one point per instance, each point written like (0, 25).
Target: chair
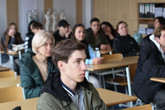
(9, 81)
(141, 107)
(7, 74)
(120, 72)
(11, 94)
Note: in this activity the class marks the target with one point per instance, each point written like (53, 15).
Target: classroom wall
(69, 7)
(24, 7)
(3, 17)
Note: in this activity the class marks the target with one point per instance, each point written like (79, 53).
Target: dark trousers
(159, 99)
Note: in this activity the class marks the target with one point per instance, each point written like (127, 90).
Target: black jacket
(58, 37)
(150, 64)
(125, 45)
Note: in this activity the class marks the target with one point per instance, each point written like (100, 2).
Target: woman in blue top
(78, 34)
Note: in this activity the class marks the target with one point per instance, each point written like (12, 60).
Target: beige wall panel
(79, 11)
(12, 12)
(132, 10)
(48, 4)
(132, 26)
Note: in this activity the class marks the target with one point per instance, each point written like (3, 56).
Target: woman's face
(106, 28)
(12, 30)
(45, 49)
(80, 33)
(122, 29)
(156, 23)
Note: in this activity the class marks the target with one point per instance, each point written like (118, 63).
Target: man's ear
(157, 39)
(60, 65)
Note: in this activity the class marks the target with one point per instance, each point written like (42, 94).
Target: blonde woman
(36, 64)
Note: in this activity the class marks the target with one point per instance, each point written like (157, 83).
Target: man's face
(156, 23)
(74, 70)
(161, 40)
(64, 29)
(95, 25)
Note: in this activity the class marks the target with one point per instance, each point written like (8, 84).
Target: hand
(103, 47)
(108, 47)
(67, 34)
(97, 60)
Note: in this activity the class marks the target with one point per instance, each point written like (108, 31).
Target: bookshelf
(146, 14)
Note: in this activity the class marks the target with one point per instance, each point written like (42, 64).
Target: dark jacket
(125, 45)
(16, 40)
(150, 64)
(58, 37)
(90, 38)
(55, 97)
(31, 79)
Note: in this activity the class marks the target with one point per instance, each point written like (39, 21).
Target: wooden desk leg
(11, 61)
(129, 84)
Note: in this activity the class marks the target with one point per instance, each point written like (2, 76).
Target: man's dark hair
(161, 20)
(157, 32)
(64, 49)
(37, 25)
(94, 20)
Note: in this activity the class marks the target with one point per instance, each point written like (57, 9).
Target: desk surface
(126, 61)
(112, 98)
(162, 80)
(9, 81)
(105, 51)
(10, 53)
(4, 68)
(108, 96)
(28, 104)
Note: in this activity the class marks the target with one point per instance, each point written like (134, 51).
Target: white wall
(24, 7)
(87, 12)
(3, 17)
(69, 7)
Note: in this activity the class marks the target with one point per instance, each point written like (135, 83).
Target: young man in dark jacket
(69, 89)
(96, 36)
(151, 63)
(63, 31)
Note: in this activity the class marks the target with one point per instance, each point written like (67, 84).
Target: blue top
(91, 54)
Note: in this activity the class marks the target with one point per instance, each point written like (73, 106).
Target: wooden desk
(109, 97)
(9, 81)
(28, 104)
(4, 68)
(162, 80)
(105, 51)
(11, 57)
(112, 98)
(125, 62)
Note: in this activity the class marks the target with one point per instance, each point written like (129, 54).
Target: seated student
(78, 34)
(124, 43)
(95, 36)
(153, 66)
(63, 31)
(109, 31)
(10, 36)
(34, 27)
(69, 89)
(36, 64)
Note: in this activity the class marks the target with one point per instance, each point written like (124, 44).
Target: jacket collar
(54, 87)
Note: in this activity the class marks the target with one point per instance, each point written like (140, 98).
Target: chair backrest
(11, 94)
(7, 74)
(112, 57)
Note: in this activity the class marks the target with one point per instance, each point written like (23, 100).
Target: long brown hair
(17, 36)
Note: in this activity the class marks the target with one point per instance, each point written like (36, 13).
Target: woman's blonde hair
(40, 38)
